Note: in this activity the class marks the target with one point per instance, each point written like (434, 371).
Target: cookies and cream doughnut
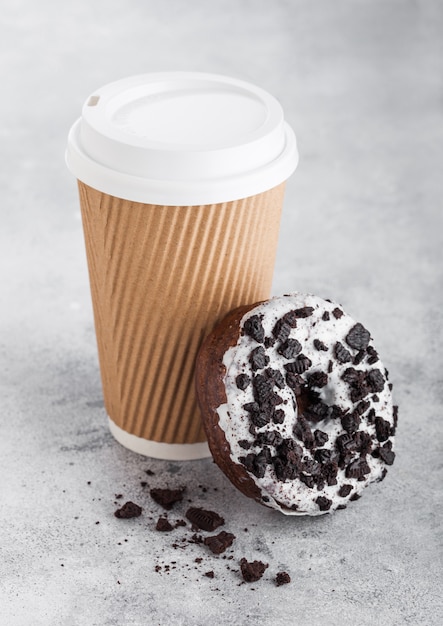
(296, 404)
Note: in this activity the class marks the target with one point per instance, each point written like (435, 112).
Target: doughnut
(296, 404)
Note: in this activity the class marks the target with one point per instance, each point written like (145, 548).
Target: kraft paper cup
(181, 179)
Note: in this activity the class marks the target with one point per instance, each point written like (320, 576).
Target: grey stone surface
(361, 83)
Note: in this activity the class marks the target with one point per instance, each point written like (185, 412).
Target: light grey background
(361, 83)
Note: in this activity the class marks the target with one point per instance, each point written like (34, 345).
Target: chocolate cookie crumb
(320, 437)
(209, 574)
(278, 417)
(276, 376)
(382, 428)
(128, 510)
(256, 463)
(329, 473)
(203, 519)
(341, 353)
(282, 578)
(290, 348)
(163, 525)
(318, 379)
(324, 504)
(375, 380)
(322, 455)
(167, 497)
(320, 346)
(373, 355)
(305, 311)
(350, 422)
(243, 443)
(395, 416)
(301, 364)
(383, 475)
(386, 454)
(281, 330)
(344, 490)
(359, 357)
(358, 337)
(180, 522)
(253, 327)
(345, 444)
(290, 318)
(303, 431)
(252, 571)
(295, 382)
(219, 543)
(357, 469)
(258, 358)
(242, 381)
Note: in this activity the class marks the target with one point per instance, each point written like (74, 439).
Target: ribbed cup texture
(161, 277)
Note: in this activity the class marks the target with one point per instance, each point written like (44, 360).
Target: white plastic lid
(181, 138)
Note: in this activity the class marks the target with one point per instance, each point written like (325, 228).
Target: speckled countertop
(361, 83)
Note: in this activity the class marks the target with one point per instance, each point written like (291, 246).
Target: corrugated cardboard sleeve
(161, 277)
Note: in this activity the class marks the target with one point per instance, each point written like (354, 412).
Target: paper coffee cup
(181, 179)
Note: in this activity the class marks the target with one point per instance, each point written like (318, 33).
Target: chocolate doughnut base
(210, 389)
